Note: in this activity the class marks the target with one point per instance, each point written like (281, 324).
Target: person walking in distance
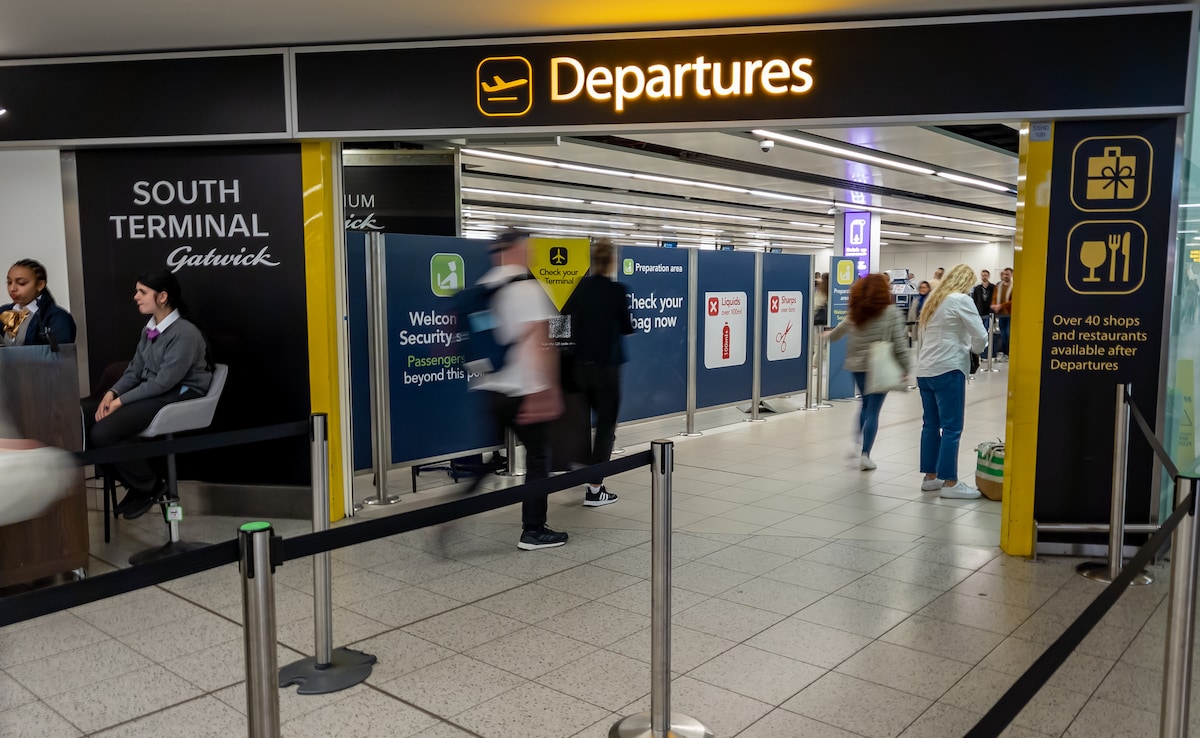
(1002, 301)
(871, 318)
(599, 313)
(936, 279)
(950, 332)
(525, 392)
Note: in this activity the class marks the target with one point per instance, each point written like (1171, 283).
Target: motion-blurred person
(171, 363)
(33, 476)
(821, 300)
(33, 318)
(1002, 302)
(525, 393)
(870, 319)
(949, 332)
(936, 279)
(599, 311)
(917, 304)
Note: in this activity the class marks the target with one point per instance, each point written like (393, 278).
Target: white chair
(186, 415)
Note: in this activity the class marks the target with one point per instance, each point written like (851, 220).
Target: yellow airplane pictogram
(499, 85)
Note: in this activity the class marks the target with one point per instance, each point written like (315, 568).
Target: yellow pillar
(1024, 369)
(320, 276)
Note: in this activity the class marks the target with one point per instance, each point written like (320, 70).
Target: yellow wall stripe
(1025, 366)
(320, 272)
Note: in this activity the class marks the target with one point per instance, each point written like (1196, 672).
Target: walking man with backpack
(523, 382)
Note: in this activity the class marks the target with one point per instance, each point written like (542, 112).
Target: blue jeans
(943, 399)
(868, 414)
(1003, 322)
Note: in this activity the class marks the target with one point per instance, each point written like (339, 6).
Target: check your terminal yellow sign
(504, 85)
(558, 264)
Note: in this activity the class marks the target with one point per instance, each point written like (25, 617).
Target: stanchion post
(693, 296)
(810, 355)
(1181, 617)
(255, 541)
(1107, 571)
(822, 361)
(510, 451)
(660, 722)
(991, 329)
(756, 361)
(329, 670)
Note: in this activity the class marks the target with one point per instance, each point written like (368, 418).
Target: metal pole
(258, 618)
(1108, 571)
(1181, 617)
(822, 360)
(992, 343)
(381, 413)
(329, 670)
(660, 722)
(756, 362)
(810, 355)
(510, 451)
(693, 289)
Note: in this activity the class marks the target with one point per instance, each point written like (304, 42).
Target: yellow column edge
(1025, 367)
(320, 272)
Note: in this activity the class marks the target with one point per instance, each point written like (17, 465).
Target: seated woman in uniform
(33, 318)
(172, 363)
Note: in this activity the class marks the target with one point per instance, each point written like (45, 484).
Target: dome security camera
(766, 145)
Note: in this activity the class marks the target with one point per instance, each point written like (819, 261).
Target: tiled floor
(811, 599)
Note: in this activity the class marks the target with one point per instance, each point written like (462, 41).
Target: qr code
(560, 326)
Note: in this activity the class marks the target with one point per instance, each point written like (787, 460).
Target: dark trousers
(138, 476)
(601, 385)
(1004, 322)
(536, 438)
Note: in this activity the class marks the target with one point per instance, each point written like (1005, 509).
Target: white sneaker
(960, 491)
(931, 485)
(865, 463)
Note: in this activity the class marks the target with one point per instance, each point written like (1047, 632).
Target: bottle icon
(725, 342)
(856, 232)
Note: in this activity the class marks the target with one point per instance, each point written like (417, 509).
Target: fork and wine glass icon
(1093, 255)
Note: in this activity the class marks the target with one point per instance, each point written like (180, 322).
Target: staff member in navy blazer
(599, 311)
(171, 363)
(33, 318)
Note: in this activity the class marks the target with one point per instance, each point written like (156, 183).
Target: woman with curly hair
(871, 318)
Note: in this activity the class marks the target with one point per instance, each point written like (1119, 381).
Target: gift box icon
(1110, 177)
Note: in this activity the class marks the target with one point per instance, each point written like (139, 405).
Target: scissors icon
(781, 338)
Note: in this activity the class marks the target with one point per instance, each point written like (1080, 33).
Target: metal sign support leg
(660, 722)
(1181, 619)
(330, 670)
(258, 616)
(377, 332)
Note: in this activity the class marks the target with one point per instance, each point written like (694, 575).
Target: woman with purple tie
(171, 363)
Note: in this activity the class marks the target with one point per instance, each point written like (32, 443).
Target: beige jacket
(888, 326)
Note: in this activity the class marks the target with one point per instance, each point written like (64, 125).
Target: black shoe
(138, 507)
(543, 537)
(129, 499)
(598, 498)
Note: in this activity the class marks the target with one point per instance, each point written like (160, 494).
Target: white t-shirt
(952, 334)
(518, 307)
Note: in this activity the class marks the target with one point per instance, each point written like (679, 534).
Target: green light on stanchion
(254, 527)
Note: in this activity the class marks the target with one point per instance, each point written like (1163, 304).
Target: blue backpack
(482, 350)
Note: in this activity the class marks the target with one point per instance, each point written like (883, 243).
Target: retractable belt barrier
(28, 605)
(190, 444)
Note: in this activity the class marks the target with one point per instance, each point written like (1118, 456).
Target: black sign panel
(134, 98)
(229, 222)
(922, 69)
(413, 198)
(1110, 226)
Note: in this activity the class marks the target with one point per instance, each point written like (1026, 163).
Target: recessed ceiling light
(3, 110)
(895, 233)
(654, 209)
(469, 212)
(844, 152)
(531, 196)
(974, 182)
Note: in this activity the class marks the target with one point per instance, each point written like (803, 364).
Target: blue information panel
(654, 378)
(725, 312)
(433, 414)
(843, 271)
(786, 305)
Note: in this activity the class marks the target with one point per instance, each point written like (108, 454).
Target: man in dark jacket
(982, 295)
(599, 313)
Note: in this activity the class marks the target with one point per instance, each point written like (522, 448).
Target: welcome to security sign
(832, 71)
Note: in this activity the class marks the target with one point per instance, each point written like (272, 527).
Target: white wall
(923, 260)
(31, 216)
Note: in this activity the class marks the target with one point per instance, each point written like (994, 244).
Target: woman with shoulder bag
(871, 319)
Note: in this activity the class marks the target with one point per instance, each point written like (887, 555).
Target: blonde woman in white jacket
(872, 317)
(949, 332)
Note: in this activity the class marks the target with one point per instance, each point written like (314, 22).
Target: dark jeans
(138, 476)
(943, 399)
(536, 438)
(601, 385)
(868, 414)
(1003, 322)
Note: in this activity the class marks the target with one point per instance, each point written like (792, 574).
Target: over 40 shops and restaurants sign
(943, 68)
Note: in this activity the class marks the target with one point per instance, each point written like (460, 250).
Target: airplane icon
(499, 85)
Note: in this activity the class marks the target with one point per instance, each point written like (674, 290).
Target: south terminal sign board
(930, 68)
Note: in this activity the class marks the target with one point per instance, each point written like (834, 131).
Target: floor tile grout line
(439, 718)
